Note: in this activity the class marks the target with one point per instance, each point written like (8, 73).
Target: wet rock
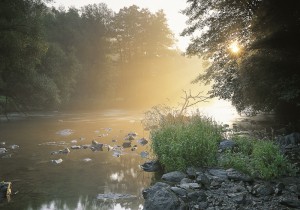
(5, 189)
(175, 176)
(14, 146)
(126, 144)
(142, 141)
(58, 161)
(75, 147)
(160, 197)
(2, 151)
(86, 159)
(96, 146)
(192, 172)
(151, 166)
(65, 151)
(144, 154)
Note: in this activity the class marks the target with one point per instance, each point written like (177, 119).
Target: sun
(234, 47)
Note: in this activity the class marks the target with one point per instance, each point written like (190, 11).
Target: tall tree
(263, 75)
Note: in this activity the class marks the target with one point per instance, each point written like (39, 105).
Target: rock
(97, 145)
(2, 151)
(126, 144)
(192, 172)
(175, 176)
(58, 161)
(5, 189)
(197, 196)
(179, 191)
(142, 141)
(186, 181)
(160, 197)
(227, 144)
(263, 189)
(238, 176)
(87, 159)
(291, 139)
(14, 146)
(193, 186)
(65, 151)
(291, 203)
(203, 179)
(220, 173)
(144, 154)
(75, 147)
(151, 166)
(65, 132)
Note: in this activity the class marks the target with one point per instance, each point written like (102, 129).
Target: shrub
(259, 158)
(186, 141)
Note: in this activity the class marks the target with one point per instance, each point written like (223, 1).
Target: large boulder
(160, 197)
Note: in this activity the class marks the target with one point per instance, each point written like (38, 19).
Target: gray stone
(190, 186)
(151, 166)
(238, 176)
(227, 144)
(179, 191)
(291, 139)
(160, 197)
(291, 203)
(198, 196)
(186, 180)
(3, 150)
(220, 173)
(203, 179)
(175, 176)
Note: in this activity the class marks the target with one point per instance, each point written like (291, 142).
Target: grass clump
(182, 141)
(258, 158)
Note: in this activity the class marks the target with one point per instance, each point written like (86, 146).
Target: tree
(263, 76)
(21, 50)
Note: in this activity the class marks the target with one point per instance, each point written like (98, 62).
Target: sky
(176, 20)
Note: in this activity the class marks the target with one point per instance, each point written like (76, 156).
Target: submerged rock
(142, 141)
(114, 196)
(65, 132)
(151, 166)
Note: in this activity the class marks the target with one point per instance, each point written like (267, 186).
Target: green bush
(186, 141)
(259, 158)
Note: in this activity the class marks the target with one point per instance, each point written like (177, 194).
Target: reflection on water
(83, 174)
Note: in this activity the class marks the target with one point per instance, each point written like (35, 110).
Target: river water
(85, 179)
(83, 175)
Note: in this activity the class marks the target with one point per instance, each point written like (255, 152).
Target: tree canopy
(263, 74)
(53, 58)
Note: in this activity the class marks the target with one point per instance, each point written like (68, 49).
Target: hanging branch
(195, 100)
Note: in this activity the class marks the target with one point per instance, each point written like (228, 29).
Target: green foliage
(186, 141)
(263, 76)
(259, 158)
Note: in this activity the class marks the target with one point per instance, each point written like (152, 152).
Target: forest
(55, 59)
(91, 57)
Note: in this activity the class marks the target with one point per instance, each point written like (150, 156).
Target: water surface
(83, 175)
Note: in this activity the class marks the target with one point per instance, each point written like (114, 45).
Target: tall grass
(258, 158)
(182, 141)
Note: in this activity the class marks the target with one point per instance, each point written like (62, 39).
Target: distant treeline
(55, 58)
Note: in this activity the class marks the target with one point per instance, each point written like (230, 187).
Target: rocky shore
(217, 188)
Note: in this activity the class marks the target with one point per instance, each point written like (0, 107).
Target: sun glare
(234, 47)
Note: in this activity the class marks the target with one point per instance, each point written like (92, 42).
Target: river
(85, 179)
